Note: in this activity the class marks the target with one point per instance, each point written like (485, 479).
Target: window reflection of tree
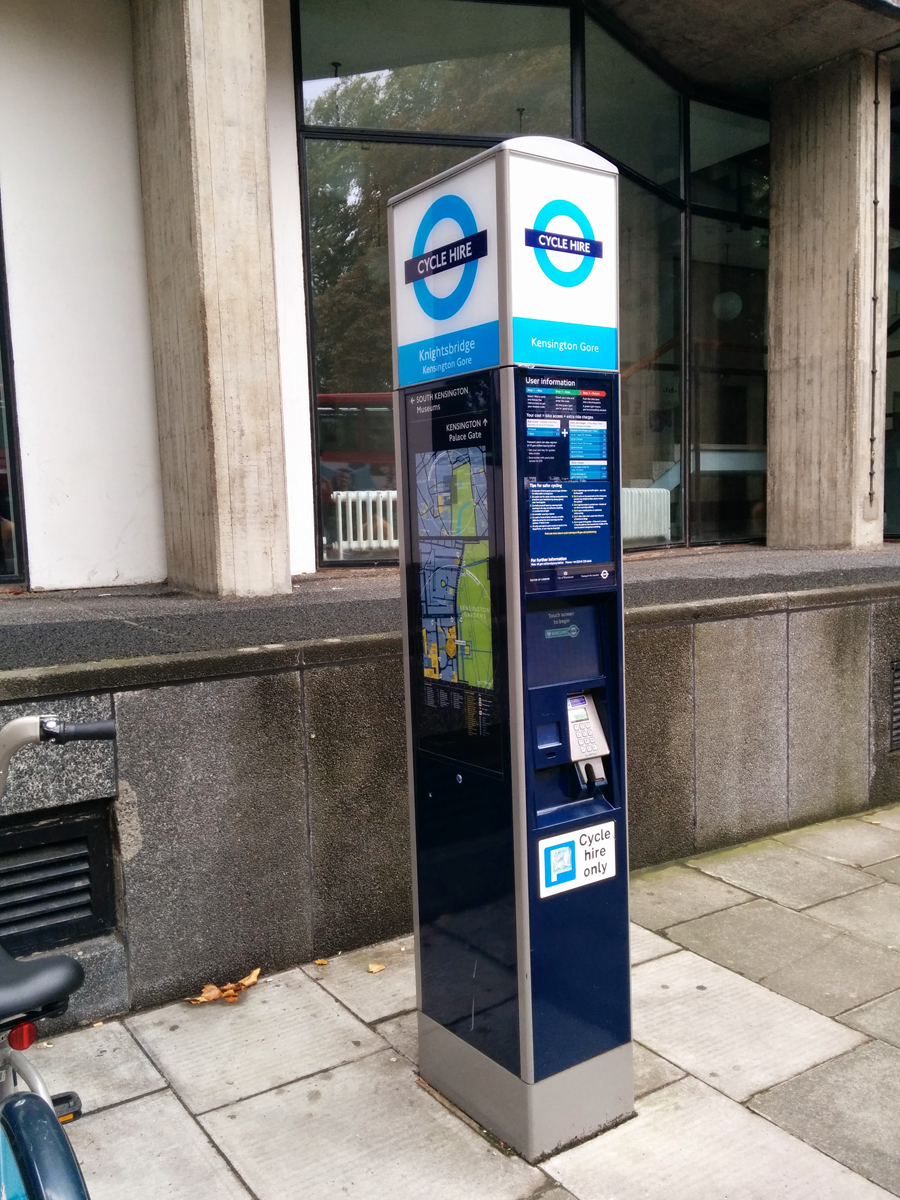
(350, 182)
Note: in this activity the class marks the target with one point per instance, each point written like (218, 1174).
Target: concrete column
(200, 82)
(827, 297)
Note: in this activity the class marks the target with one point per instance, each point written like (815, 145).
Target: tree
(349, 183)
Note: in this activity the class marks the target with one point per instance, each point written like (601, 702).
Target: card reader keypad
(585, 737)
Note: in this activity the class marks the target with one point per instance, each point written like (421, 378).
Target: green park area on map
(451, 488)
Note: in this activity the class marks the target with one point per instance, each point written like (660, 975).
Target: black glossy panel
(467, 905)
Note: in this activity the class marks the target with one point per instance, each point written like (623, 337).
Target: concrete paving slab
(857, 843)
(691, 1143)
(782, 873)
(873, 915)
(150, 1147)
(889, 870)
(403, 1034)
(282, 1029)
(841, 974)
(754, 939)
(660, 898)
(847, 1108)
(104, 1065)
(372, 997)
(365, 1129)
(880, 1018)
(728, 1031)
(888, 817)
(646, 945)
(651, 1071)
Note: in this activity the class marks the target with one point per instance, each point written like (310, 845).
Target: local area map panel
(455, 590)
(451, 430)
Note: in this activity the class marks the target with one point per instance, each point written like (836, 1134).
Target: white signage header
(475, 287)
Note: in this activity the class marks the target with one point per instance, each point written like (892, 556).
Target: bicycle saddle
(28, 987)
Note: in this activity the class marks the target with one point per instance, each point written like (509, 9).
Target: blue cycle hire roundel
(564, 208)
(453, 208)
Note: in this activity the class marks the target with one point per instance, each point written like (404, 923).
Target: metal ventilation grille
(56, 881)
(895, 705)
(45, 886)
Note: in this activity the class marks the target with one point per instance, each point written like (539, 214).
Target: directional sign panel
(445, 278)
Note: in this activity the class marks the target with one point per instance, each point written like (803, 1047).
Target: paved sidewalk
(767, 1028)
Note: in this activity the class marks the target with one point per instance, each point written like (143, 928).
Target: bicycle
(36, 1159)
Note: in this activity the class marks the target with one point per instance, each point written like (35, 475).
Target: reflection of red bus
(357, 478)
(356, 438)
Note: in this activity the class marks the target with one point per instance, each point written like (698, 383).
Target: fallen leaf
(229, 992)
(374, 968)
(207, 994)
(321, 962)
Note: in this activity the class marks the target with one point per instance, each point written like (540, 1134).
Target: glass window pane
(728, 376)
(632, 114)
(650, 301)
(453, 66)
(349, 184)
(892, 376)
(11, 566)
(729, 160)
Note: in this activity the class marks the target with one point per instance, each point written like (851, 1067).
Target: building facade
(197, 484)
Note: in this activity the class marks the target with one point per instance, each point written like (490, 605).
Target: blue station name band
(563, 243)
(445, 258)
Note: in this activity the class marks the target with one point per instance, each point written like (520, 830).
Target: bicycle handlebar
(25, 731)
(56, 731)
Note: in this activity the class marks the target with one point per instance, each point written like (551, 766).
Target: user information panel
(568, 478)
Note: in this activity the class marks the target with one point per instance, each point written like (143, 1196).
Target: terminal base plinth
(536, 1119)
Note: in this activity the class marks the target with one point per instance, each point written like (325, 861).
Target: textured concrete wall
(213, 832)
(262, 816)
(200, 83)
(779, 707)
(828, 259)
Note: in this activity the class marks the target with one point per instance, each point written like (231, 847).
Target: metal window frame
(579, 11)
(13, 457)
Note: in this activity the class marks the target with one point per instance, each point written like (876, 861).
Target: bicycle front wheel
(36, 1160)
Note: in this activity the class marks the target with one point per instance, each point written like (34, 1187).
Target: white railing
(646, 513)
(365, 521)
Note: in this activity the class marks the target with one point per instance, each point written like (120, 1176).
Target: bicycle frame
(13, 1063)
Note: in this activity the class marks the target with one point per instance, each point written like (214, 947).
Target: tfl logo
(464, 252)
(542, 240)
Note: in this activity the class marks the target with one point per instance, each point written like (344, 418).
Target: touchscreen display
(563, 645)
(568, 480)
